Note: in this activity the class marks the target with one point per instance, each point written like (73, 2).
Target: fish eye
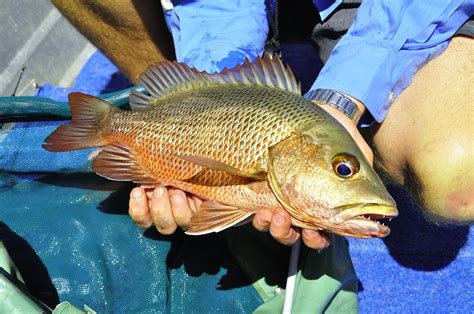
(345, 165)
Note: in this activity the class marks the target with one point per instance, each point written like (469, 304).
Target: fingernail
(261, 220)
(137, 194)
(278, 219)
(176, 196)
(308, 232)
(158, 192)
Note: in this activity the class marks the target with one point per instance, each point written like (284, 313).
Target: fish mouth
(364, 218)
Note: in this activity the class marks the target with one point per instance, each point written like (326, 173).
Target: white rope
(291, 279)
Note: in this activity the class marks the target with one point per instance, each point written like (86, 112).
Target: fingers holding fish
(160, 206)
(262, 220)
(138, 208)
(165, 208)
(282, 231)
(183, 207)
(317, 240)
(280, 228)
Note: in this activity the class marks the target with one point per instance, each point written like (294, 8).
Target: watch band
(336, 100)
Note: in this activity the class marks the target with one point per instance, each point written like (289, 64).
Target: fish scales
(234, 125)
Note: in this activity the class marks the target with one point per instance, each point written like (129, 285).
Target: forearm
(386, 45)
(132, 36)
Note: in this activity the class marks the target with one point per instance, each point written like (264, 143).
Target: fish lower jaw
(369, 212)
(357, 227)
(364, 227)
(362, 221)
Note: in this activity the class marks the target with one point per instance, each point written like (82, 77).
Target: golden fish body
(239, 139)
(219, 123)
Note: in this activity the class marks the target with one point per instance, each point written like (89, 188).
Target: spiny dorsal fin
(167, 77)
(214, 217)
(138, 101)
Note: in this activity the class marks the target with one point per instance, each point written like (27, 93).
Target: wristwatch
(335, 99)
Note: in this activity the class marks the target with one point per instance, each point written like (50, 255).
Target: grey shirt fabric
(328, 33)
(467, 29)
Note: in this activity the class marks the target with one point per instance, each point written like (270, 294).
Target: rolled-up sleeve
(212, 35)
(386, 44)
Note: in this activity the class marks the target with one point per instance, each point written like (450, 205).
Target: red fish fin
(138, 101)
(88, 113)
(119, 162)
(220, 166)
(169, 77)
(214, 217)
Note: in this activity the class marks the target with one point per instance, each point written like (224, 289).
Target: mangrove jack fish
(243, 139)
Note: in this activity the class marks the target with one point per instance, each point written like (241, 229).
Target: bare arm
(132, 34)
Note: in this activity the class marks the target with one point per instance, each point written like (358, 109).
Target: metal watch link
(336, 100)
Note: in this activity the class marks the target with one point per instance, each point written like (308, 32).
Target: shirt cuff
(362, 69)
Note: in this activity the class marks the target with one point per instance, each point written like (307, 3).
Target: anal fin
(214, 217)
(119, 162)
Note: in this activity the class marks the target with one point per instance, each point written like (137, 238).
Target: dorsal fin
(167, 77)
(138, 101)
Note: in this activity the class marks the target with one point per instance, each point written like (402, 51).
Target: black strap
(272, 45)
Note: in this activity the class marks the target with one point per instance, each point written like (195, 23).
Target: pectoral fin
(214, 217)
(220, 166)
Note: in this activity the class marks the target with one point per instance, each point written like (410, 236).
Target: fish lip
(352, 211)
(359, 222)
(365, 228)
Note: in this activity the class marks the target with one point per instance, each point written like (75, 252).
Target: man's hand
(169, 208)
(164, 207)
(279, 225)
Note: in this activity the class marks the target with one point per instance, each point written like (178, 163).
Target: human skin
(424, 144)
(132, 33)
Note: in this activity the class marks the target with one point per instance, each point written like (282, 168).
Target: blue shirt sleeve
(212, 35)
(386, 44)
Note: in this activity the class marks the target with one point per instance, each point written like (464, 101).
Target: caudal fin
(84, 131)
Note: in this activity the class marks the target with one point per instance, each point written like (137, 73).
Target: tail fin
(84, 131)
